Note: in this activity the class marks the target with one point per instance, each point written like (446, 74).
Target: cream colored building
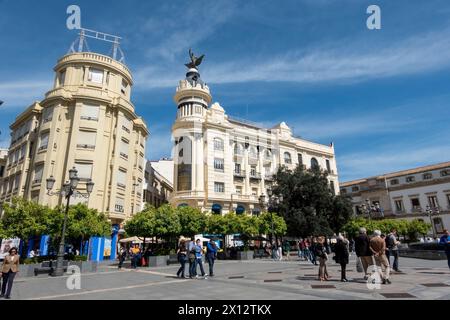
(86, 121)
(223, 164)
(158, 182)
(407, 194)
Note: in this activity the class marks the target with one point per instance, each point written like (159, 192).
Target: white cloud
(22, 93)
(352, 62)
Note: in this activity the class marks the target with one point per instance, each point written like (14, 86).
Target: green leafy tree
(192, 221)
(417, 227)
(216, 224)
(265, 224)
(142, 224)
(309, 207)
(24, 219)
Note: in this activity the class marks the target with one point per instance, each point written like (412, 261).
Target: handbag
(359, 266)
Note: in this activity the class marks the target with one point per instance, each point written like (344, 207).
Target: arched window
(240, 209)
(267, 154)
(216, 208)
(252, 152)
(287, 158)
(218, 144)
(314, 163)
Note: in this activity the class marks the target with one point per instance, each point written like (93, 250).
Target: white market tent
(132, 239)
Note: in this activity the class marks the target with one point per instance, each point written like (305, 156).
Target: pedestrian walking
(363, 252)
(122, 256)
(341, 254)
(279, 251)
(211, 255)
(445, 242)
(199, 258)
(321, 253)
(287, 249)
(392, 248)
(182, 258)
(312, 251)
(378, 248)
(9, 270)
(192, 260)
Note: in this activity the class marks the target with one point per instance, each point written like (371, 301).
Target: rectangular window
(43, 141)
(253, 171)
(219, 187)
(415, 203)
(2, 170)
(333, 191)
(47, 114)
(433, 201)
(267, 170)
(218, 144)
(355, 189)
(399, 205)
(17, 182)
(124, 146)
(300, 159)
(23, 151)
(86, 139)
(123, 87)
(410, 179)
(16, 155)
(427, 176)
(84, 170)
(238, 190)
(445, 173)
(62, 77)
(328, 165)
(38, 174)
(254, 191)
(89, 112)
(237, 168)
(448, 199)
(126, 124)
(121, 178)
(218, 164)
(95, 75)
(394, 182)
(120, 204)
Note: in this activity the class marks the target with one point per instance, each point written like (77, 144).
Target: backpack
(390, 241)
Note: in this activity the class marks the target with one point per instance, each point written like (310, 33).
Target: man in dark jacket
(362, 250)
(445, 242)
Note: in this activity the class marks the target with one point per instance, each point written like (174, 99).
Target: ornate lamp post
(430, 211)
(68, 190)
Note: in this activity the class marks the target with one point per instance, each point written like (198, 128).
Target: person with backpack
(211, 254)
(445, 242)
(392, 248)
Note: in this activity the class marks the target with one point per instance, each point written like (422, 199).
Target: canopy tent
(133, 239)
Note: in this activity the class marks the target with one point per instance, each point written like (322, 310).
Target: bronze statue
(195, 61)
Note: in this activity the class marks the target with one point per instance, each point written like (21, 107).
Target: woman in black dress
(342, 255)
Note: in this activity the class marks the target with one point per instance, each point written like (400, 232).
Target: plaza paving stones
(322, 286)
(236, 280)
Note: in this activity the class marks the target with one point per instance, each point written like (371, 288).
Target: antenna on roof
(87, 33)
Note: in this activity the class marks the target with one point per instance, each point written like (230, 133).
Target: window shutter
(124, 146)
(84, 170)
(121, 177)
(87, 139)
(89, 112)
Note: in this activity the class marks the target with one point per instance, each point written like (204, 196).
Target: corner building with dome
(222, 164)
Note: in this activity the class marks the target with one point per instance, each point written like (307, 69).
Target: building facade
(86, 121)
(222, 164)
(3, 161)
(420, 193)
(158, 182)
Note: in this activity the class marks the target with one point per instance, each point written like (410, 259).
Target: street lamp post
(430, 212)
(68, 190)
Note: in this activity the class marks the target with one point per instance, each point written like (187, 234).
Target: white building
(408, 194)
(158, 182)
(223, 164)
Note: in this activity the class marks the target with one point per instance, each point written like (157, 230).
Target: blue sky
(382, 96)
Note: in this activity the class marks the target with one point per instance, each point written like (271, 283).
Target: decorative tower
(192, 98)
